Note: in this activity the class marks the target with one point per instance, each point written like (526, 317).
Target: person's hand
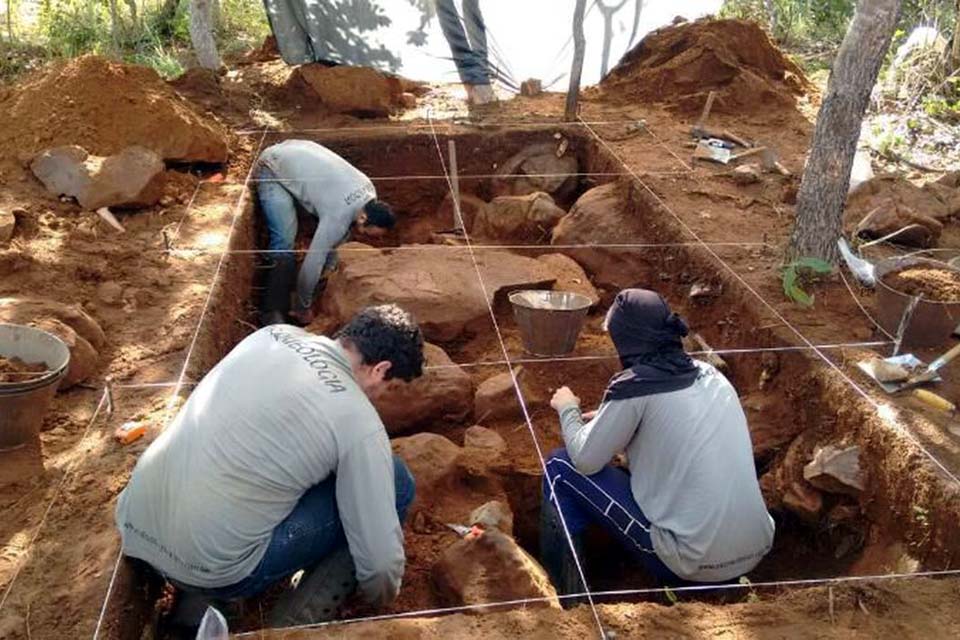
(588, 415)
(303, 316)
(563, 397)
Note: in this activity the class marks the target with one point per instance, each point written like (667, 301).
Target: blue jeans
(280, 213)
(310, 533)
(469, 49)
(604, 498)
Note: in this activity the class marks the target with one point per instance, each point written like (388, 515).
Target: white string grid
(895, 424)
(181, 379)
(180, 383)
(404, 126)
(516, 383)
(618, 593)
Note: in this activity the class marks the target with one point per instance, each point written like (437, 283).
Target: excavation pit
(790, 406)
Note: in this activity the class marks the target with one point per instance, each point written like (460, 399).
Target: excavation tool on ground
(906, 371)
(464, 531)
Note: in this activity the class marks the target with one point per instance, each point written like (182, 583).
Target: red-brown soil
(679, 65)
(16, 370)
(933, 283)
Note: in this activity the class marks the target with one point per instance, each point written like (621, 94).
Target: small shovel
(897, 373)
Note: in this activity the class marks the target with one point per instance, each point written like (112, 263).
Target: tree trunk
(771, 17)
(115, 25)
(132, 6)
(579, 45)
(955, 50)
(10, 11)
(826, 177)
(607, 12)
(201, 35)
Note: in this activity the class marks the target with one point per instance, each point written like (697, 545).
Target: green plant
(751, 593)
(800, 272)
(671, 595)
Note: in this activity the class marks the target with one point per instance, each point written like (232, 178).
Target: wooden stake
(579, 46)
(455, 186)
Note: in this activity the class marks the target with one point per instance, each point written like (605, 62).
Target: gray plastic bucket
(549, 321)
(24, 403)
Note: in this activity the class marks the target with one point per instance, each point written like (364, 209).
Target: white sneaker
(479, 94)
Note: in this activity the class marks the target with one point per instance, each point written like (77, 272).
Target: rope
(882, 412)
(516, 386)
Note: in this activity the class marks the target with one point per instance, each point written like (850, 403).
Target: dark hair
(379, 214)
(387, 332)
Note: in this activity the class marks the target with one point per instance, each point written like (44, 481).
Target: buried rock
(528, 218)
(537, 168)
(433, 461)
(570, 276)
(490, 567)
(438, 287)
(493, 515)
(477, 437)
(836, 470)
(915, 229)
(607, 214)
(83, 357)
(443, 393)
(131, 178)
(496, 397)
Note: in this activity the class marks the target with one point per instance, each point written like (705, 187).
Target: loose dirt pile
(679, 65)
(939, 285)
(16, 370)
(104, 107)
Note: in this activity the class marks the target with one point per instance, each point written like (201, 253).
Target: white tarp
(532, 38)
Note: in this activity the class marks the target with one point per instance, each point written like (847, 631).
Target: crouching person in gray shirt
(279, 462)
(689, 507)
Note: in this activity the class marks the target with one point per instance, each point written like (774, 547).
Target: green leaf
(814, 264)
(671, 596)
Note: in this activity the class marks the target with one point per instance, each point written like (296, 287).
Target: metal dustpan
(874, 367)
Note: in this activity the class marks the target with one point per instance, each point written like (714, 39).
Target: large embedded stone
(490, 567)
(496, 397)
(131, 178)
(438, 286)
(432, 459)
(570, 276)
(27, 310)
(518, 219)
(443, 393)
(361, 91)
(83, 357)
(537, 168)
(836, 470)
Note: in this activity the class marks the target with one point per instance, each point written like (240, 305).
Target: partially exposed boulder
(443, 393)
(490, 567)
(803, 500)
(518, 219)
(493, 515)
(432, 460)
(921, 230)
(477, 437)
(439, 287)
(537, 168)
(7, 224)
(131, 178)
(836, 470)
(471, 208)
(496, 397)
(613, 213)
(570, 276)
(83, 357)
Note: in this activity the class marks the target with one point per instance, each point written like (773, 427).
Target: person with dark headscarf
(689, 506)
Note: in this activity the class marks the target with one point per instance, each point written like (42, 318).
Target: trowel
(905, 371)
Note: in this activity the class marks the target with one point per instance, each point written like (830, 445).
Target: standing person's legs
(604, 498)
(471, 68)
(477, 33)
(280, 213)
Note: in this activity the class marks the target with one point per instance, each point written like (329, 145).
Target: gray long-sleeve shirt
(692, 473)
(275, 417)
(327, 186)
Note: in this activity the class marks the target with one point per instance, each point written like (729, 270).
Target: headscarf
(647, 336)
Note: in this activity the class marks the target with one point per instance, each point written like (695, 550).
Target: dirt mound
(679, 65)
(104, 107)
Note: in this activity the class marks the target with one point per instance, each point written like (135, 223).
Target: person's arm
(330, 231)
(593, 444)
(367, 503)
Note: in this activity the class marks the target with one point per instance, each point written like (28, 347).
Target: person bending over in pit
(279, 462)
(304, 173)
(688, 506)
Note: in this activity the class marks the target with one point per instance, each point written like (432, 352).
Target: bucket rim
(893, 263)
(51, 377)
(582, 301)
